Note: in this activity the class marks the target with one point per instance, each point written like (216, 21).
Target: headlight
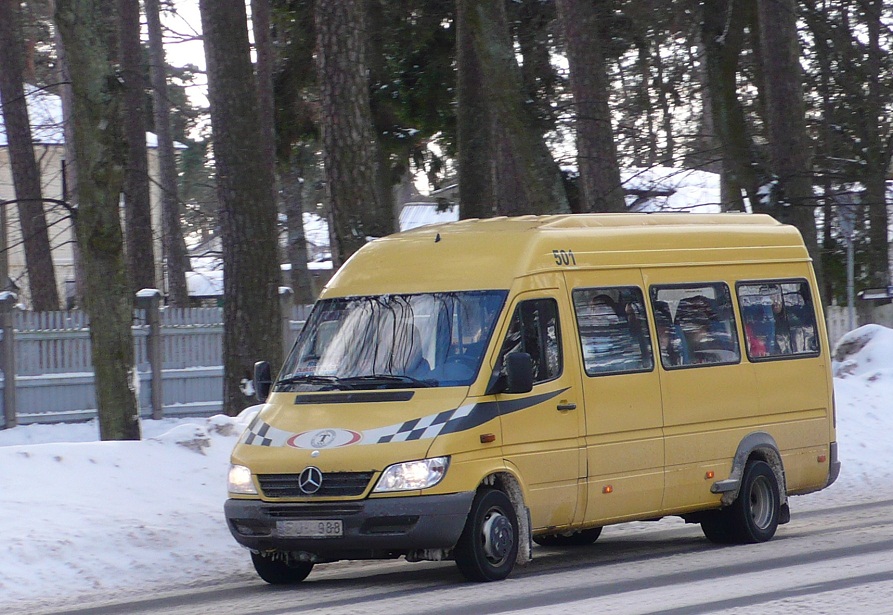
(412, 475)
(239, 481)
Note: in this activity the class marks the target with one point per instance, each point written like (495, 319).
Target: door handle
(566, 407)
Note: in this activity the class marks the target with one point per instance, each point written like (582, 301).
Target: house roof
(414, 215)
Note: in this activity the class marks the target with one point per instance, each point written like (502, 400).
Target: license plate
(309, 528)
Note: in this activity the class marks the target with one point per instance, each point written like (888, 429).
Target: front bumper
(373, 528)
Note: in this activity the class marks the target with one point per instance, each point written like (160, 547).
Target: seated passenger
(409, 349)
(608, 342)
(672, 343)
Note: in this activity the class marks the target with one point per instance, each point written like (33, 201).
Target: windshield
(392, 341)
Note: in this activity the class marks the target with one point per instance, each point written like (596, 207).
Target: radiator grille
(334, 485)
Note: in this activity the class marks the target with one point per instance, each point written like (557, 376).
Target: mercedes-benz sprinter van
(464, 390)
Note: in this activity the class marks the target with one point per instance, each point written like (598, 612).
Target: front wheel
(280, 569)
(488, 546)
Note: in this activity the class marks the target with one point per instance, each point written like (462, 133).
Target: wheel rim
(761, 508)
(498, 536)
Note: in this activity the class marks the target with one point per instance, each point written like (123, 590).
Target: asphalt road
(824, 561)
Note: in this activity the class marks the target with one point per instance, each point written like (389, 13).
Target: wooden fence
(54, 373)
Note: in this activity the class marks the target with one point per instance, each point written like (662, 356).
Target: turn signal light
(486, 438)
(709, 475)
(822, 458)
(608, 489)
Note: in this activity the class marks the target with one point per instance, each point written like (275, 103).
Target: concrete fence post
(8, 302)
(149, 299)
(286, 303)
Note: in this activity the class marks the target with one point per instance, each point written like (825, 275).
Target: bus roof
(490, 253)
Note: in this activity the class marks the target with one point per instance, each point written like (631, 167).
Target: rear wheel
(717, 527)
(753, 516)
(280, 569)
(488, 546)
(755, 512)
(580, 538)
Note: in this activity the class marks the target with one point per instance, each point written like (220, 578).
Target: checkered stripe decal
(260, 433)
(464, 417)
(418, 429)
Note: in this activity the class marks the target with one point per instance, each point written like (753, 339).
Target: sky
(83, 517)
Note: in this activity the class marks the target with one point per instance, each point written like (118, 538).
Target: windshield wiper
(388, 379)
(333, 381)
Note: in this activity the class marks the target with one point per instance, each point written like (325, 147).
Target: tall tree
(723, 27)
(25, 171)
(878, 150)
(88, 29)
(849, 71)
(251, 277)
(263, 49)
(527, 180)
(349, 143)
(596, 152)
(789, 144)
(172, 242)
(137, 205)
(532, 23)
(70, 170)
(296, 133)
(473, 123)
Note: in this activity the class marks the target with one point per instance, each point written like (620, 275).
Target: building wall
(61, 232)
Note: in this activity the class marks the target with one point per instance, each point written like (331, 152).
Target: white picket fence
(54, 371)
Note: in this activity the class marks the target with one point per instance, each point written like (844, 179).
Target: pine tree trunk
(251, 275)
(527, 178)
(596, 152)
(25, 172)
(87, 28)
(473, 124)
(137, 205)
(350, 146)
(722, 31)
(173, 244)
(789, 144)
(69, 171)
(877, 153)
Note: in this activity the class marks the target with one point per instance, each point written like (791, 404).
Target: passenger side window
(534, 329)
(695, 325)
(613, 330)
(779, 319)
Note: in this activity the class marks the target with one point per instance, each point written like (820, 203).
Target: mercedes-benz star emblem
(310, 480)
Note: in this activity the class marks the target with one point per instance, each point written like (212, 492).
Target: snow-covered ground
(78, 516)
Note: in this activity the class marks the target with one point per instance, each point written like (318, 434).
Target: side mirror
(519, 372)
(263, 380)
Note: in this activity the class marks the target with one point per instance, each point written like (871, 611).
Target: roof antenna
(437, 239)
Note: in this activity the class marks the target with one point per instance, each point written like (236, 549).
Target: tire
(754, 514)
(279, 569)
(717, 527)
(580, 538)
(488, 546)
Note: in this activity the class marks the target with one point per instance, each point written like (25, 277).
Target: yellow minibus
(462, 391)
